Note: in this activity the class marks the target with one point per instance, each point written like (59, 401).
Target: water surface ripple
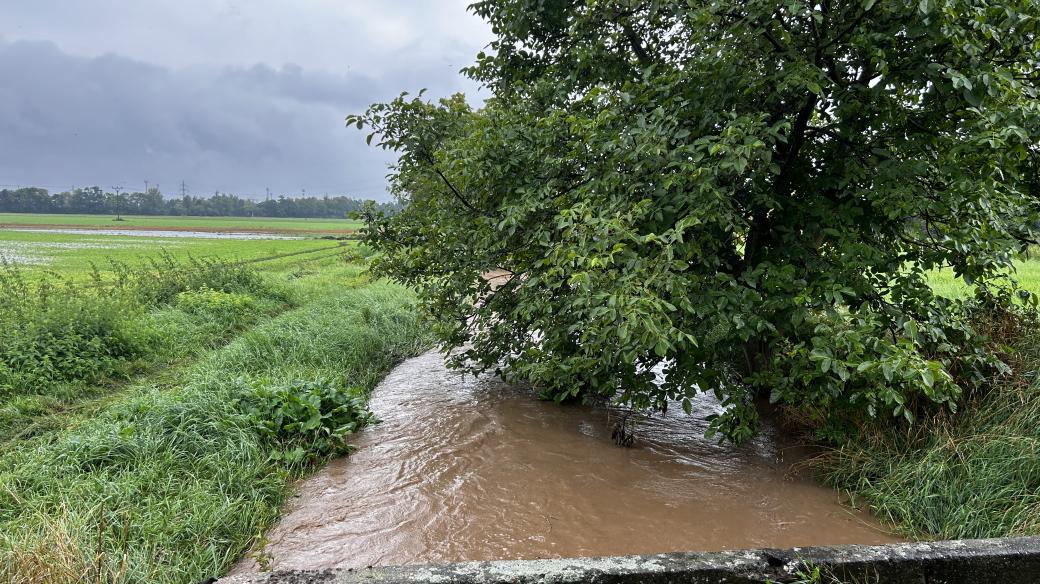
(477, 469)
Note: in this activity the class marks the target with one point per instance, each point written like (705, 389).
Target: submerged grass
(171, 482)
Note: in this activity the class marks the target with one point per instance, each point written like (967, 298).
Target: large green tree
(747, 193)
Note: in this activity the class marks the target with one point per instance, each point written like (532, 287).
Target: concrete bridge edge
(1005, 561)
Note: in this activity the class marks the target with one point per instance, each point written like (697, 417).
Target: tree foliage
(749, 194)
(94, 200)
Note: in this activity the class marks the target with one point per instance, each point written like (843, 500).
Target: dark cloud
(70, 117)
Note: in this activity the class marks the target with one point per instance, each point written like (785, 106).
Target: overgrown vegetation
(63, 341)
(749, 194)
(974, 474)
(176, 474)
(757, 198)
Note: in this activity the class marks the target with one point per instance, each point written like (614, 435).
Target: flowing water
(477, 469)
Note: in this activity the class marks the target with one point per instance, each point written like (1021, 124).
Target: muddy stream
(477, 469)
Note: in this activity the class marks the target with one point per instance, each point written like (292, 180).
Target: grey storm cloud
(125, 112)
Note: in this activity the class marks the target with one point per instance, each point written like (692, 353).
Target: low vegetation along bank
(970, 474)
(152, 422)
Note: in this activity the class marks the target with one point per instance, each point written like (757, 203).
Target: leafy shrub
(53, 331)
(77, 342)
(307, 420)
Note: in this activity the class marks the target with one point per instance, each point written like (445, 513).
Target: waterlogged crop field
(75, 253)
(152, 422)
(264, 224)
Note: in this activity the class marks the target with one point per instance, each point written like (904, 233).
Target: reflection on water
(476, 469)
(40, 252)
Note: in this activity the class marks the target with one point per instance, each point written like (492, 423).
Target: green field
(1027, 273)
(74, 254)
(273, 224)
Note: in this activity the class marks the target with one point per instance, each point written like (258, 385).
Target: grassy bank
(172, 481)
(159, 395)
(972, 474)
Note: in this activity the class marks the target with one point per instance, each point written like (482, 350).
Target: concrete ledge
(1005, 561)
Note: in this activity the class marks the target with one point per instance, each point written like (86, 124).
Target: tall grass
(64, 341)
(171, 484)
(967, 475)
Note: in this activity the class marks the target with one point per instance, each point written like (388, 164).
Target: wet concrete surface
(1008, 561)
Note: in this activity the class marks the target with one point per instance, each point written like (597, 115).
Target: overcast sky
(230, 96)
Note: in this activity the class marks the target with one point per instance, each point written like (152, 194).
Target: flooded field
(477, 469)
(40, 252)
(76, 252)
(161, 233)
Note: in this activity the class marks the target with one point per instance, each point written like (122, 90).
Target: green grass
(75, 254)
(974, 474)
(151, 415)
(1027, 273)
(65, 344)
(277, 224)
(172, 479)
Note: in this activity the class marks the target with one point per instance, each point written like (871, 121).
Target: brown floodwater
(465, 468)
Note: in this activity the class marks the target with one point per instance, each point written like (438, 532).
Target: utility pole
(184, 190)
(119, 202)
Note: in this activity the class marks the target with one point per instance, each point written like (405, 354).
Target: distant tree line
(94, 200)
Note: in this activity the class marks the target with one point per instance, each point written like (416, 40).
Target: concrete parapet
(1003, 561)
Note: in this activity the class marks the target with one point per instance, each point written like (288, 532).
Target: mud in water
(477, 469)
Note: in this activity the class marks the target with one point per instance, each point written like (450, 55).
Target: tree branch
(637, 46)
